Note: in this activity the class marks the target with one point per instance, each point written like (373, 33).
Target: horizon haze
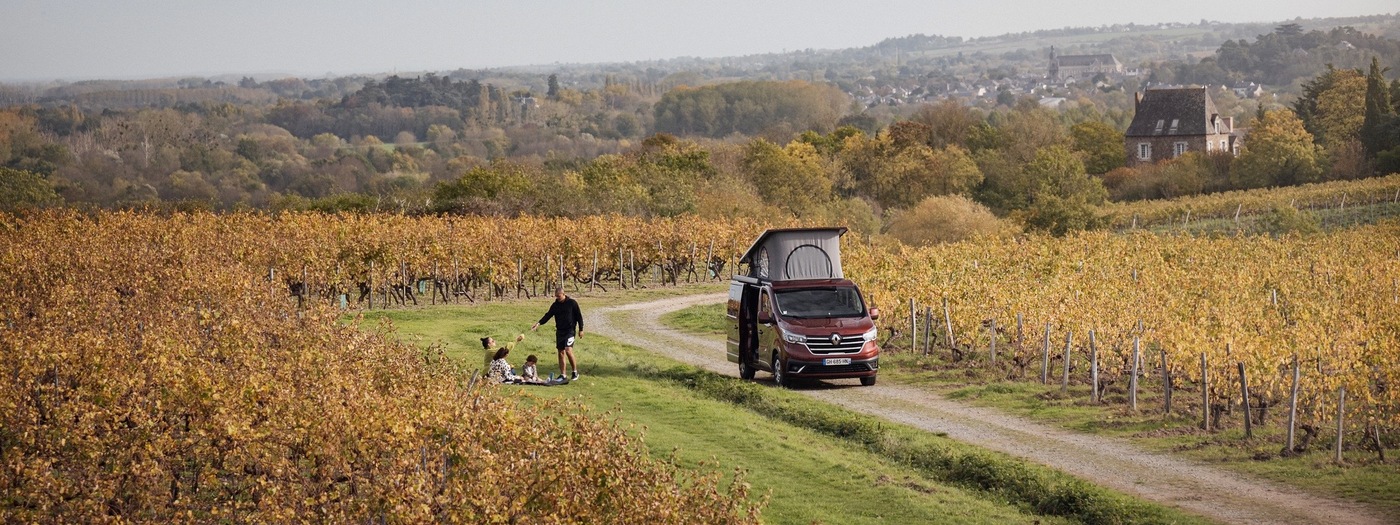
(93, 39)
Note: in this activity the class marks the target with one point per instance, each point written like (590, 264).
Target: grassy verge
(816, 462)
(1363, 479)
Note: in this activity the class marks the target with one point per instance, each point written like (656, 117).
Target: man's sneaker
(575, 376)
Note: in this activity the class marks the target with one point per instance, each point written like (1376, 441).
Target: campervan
(794, 315)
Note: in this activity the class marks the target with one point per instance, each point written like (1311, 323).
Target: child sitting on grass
(531, 373)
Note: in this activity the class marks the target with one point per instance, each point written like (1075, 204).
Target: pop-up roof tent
(795, 253)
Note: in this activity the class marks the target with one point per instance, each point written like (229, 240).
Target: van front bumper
(819, 368)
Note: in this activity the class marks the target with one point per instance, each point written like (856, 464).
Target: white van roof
(789, 254)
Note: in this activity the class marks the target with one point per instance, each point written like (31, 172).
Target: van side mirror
(765, 317)
(874, 314)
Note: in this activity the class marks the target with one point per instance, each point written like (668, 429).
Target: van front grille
(848, 345)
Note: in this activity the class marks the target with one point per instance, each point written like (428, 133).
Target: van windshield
(820, 302)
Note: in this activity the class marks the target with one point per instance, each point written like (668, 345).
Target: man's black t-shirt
(566, 316)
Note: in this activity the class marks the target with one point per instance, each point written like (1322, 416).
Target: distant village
(1062, 73)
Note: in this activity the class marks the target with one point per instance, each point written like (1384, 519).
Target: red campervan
(794, 315)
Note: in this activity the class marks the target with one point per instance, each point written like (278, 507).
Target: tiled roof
(1165, 112)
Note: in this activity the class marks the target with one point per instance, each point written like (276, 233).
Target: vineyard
(1239, 208)
(1191, 307)
(150, 371)
(191, 366)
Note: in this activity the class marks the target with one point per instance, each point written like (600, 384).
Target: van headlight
(794, 338)
(872, 335)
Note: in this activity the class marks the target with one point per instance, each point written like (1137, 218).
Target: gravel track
(1110, 462)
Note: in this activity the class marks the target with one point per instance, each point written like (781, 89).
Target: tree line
(762, 149)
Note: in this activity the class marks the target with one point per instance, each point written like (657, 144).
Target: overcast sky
(43, 40)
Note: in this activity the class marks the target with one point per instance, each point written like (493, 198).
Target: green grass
(706, 319)
(818, 463)
(1364, 479)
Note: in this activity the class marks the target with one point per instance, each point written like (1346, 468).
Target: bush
(1287, 219)
(947, 218)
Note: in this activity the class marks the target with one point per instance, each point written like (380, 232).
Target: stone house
(1170, 122)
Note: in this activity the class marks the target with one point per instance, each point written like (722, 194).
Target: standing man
(566, 316)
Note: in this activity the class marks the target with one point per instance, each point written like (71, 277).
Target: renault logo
(835, 339)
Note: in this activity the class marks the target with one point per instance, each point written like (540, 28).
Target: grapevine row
(1331, 300)
(150, 373)
(1226, 205)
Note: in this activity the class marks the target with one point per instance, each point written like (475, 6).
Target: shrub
(1287, 219)
(947, 218)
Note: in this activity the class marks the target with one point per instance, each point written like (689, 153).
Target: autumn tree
(22, 189)
(792, 178)
(947, 122)
(1063, 197)
(1279, 152)
(750, 108)
(1101, 146)
(1340, 110)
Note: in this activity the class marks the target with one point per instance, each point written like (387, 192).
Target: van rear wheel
(746, 371)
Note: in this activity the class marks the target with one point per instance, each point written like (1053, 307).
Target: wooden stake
(928, 334)
(948, 326)
(1341, 413)
(994, 341)
(1064, 380)
(1133, 380)
(709, 253)
(914, 328)
(1045, 358)
(1093, 368)
(1166, 386)
(1244, 403)
(1205, 394)
(1020, 330)
(1292, 409)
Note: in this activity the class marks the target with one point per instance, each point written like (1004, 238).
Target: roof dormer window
(1174, 123)
(1159, 126)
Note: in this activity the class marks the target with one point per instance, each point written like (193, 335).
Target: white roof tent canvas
(795, 254)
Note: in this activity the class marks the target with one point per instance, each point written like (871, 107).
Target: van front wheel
(867, 381)
(779, 375)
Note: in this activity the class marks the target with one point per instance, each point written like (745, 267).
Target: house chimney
(1137, 100)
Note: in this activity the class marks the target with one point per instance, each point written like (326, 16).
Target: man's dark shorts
(563, 340)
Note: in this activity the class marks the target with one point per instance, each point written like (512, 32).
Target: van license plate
(837, 361)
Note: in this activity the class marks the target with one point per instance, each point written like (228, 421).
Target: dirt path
(1114, 463)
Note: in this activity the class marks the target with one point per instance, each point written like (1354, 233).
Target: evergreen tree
(553, 92)
(1379, 112)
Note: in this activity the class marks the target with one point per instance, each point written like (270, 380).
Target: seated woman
(488, 349)
(500, 371)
